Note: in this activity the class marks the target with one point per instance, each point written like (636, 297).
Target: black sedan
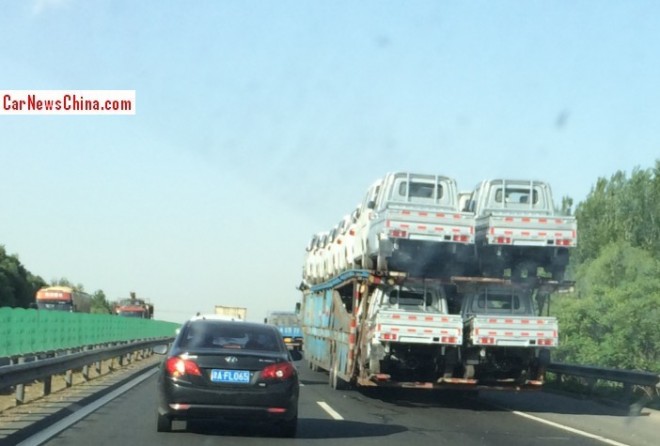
(224, 370)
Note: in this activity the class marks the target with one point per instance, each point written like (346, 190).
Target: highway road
(396, 417)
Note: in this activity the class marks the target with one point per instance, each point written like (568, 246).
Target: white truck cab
(412, 222)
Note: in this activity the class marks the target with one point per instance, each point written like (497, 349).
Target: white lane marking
(569, 429)
(333, 413)
(78, 415)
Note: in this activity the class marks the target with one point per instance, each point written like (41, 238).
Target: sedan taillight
(279, 371)
(177, 367)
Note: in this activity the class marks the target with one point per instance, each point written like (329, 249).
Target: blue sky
(260, 123)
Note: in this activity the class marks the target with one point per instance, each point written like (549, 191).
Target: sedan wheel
(164, 423)
(288, 428)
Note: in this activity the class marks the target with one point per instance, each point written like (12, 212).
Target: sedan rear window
(211, 334)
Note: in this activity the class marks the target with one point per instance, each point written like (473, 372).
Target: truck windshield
(131, 313)
(417, 191)
(284, 320)
(399, 296)
(55, 305)
(488, 303)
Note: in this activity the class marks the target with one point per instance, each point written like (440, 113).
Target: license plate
(230, 376)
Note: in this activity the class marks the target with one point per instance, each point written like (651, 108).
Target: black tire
(492, 270)
(558, 273)
(524, 271)
(367, 262)
(164, 423)
(381, 263)
(288, 428)
(335, 381)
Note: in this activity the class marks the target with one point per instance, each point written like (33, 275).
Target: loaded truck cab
(415, 339)
(505, 338)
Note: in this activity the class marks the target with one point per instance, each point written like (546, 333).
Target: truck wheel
(524, 271)
(367, 263)
(558, 273)
(492, 270)
(381, 263)
(334, 380)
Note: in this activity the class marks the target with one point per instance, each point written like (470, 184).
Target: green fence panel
(5, 330)
(36, 331)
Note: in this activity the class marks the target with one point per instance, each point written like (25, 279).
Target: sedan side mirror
(161, 349)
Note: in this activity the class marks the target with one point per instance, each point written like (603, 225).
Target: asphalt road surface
(394, 417)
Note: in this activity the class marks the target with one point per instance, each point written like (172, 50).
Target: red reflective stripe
(423, 214)
(421, 227)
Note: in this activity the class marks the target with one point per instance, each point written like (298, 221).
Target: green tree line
(18, 286)
(613, 317)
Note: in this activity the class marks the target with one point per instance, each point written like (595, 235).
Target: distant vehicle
(134, 307)
(224, 370)
(288, 324)
(506, 338)
(231, 313)
(372, 330)
(215, 317)
(412, 222)
(63, 298)
(516, 226)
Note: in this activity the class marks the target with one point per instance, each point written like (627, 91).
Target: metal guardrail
(630, 377)
(646, 381)
(43, 369)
